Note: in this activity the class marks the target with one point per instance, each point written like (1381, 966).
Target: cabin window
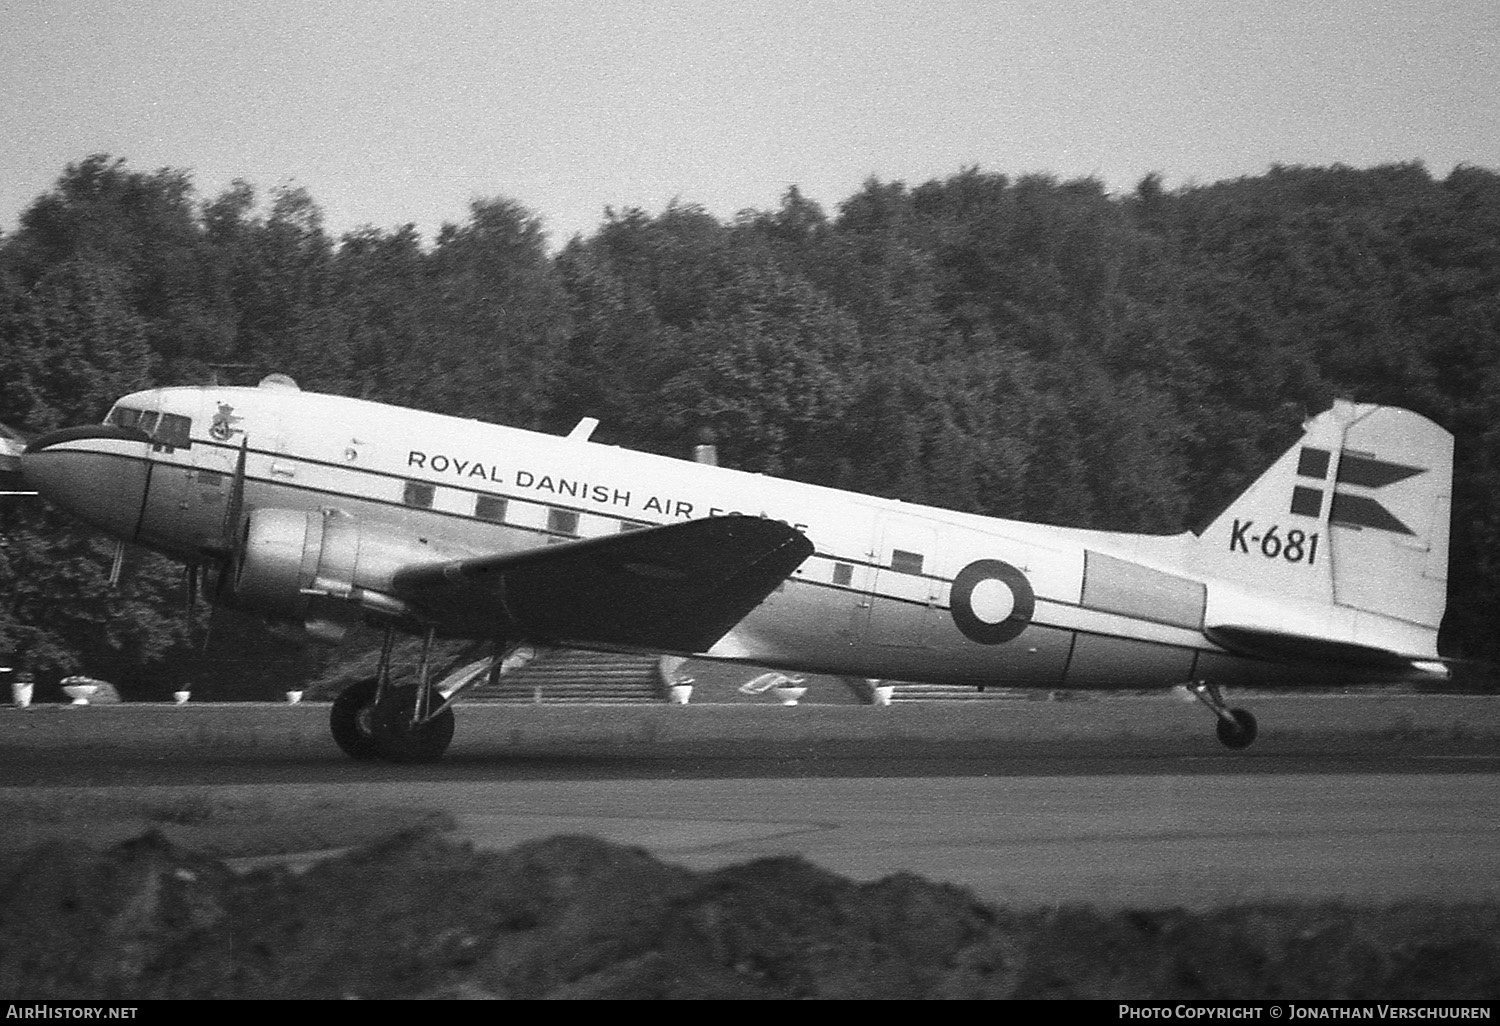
(632, 525)
(490, 507)
(562, 521)
(419, 494)
(904, 562)
(843, 574)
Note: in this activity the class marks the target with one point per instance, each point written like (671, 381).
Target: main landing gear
(367, 728)
(381, 719)
(1236, 726)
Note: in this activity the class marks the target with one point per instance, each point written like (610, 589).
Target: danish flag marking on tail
(1359, 471)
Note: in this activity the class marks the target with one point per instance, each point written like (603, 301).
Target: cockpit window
(166, 429)
(125, 416)
(174, 430)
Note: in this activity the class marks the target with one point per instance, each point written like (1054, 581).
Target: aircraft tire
(349, 721)
(1239, 734)
(397, 741)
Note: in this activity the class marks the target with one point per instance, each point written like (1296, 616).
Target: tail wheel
(1240, 733)
(352, 721)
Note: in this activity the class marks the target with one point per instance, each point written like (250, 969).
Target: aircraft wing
(1257, 642)
(675, 588)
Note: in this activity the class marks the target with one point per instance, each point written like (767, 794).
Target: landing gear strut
(1236, 727)
(379, 719)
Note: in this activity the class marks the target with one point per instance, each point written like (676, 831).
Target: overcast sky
(404, 111)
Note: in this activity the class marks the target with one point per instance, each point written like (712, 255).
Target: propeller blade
(229, 536)
(117, 565)
(234, 509)
(195, 577)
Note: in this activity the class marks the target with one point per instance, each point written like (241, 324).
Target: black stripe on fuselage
(278, 482)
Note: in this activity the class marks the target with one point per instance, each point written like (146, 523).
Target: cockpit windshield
(131, 417)
(164, 428)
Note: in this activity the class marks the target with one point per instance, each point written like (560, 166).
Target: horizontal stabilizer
(675, 588)
(1280, 646)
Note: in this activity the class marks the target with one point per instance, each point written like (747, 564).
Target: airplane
(325, 510)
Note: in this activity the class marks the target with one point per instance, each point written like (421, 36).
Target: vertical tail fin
(1354, 515)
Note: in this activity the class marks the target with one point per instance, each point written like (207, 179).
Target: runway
(1162, 840)
(1023, 818)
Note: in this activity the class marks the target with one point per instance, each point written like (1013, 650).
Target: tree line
(1015, 346)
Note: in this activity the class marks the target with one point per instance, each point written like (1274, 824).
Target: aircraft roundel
(991, 601)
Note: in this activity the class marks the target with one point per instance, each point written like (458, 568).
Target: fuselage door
(906, 591)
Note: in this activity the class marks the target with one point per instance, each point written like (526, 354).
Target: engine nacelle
(321, 568)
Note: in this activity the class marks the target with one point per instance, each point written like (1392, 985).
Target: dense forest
(1023, 347)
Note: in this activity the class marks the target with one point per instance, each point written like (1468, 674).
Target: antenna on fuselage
(707, 448)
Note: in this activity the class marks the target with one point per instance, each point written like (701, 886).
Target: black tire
(397, 740)
(350, 721)
(1239, 734)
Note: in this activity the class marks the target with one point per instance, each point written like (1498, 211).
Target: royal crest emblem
(223, 427)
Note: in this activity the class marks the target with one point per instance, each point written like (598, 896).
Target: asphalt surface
(1118, 802)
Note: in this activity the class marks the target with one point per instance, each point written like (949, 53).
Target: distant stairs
(907, 692)
(570, 676)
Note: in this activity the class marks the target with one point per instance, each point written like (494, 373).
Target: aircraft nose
(99, 474)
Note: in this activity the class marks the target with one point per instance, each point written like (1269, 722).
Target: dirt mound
(419, 916)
